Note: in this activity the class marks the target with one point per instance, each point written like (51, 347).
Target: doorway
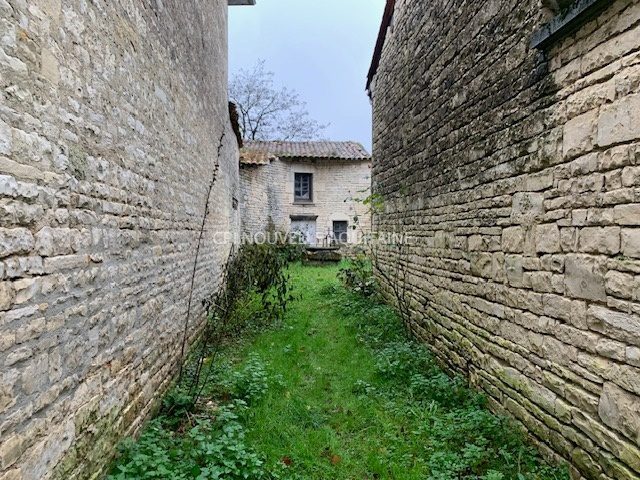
(305, 230)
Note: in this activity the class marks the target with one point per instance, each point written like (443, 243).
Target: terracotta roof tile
(260, 153)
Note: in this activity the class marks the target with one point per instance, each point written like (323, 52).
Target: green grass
(336, 392)
(316, 420)
(345, 409)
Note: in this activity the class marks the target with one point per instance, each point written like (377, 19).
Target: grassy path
(316, 421)
(335, 393)
(344, 409)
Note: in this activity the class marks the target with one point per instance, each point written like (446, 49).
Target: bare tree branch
(269, 113)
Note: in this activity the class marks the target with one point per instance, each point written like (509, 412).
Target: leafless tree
(268, 112)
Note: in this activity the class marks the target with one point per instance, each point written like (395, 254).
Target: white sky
(320, 48)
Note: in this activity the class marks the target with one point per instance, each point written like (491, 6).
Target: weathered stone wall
(516, 174)
(110, 118)
(339, 186)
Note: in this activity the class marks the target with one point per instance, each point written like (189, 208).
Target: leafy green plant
(197, 439)
(249, 383)
(356, 398)
(473, 443)
(213, 448)
(357, 275)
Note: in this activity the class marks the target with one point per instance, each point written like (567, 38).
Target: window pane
(303, 186)
(340, 231)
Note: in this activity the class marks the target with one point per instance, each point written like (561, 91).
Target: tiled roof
(260, 153)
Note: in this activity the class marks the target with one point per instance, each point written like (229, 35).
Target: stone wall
(339, 186)
(515, 173)
(110, 118)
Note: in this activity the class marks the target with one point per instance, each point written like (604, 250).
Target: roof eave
(382, 36)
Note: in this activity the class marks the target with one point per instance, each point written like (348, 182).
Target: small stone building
(315, 189)
(507, 150)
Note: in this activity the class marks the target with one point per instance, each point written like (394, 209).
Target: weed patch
(337, 391)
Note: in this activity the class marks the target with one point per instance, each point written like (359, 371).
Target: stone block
(631, 242)
(569, 239)
(514, 270)
(542, 282)
(547, 238)
(18, 355)
(579, 217)
(563, 308)
(620, 121)
(539, 181)
(617, 325)
(35, 376)
(5, 139)
(513, 240)
(580, 134)
(19, 170)
(619, 284)
(604, 240)
(584, 165)
(632, 356)
(17, 267)
(65, 262)
(476, 243)
(630, 177)
(52, 8)
(628, 214)
(15, 241)
(10, 450)
(499, 271)
(527, 207)
(9, 187)
(552, 263)
(619, 410)
(26, 289)
(8, 396)
(51, 242)
(584, 277)
(32, 329)
(7, 295)
(482, 264)
(50, 68)
(616, 157)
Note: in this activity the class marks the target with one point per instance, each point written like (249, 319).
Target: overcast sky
(320, 48)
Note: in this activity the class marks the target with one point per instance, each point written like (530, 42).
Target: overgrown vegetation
(338, 391)
(460, 437)
(198, 433)
(357, 275)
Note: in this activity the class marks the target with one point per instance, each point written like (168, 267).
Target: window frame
(300, 199)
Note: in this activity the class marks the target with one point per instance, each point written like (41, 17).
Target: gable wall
(338, 190)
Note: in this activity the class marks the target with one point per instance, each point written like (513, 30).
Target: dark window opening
(340, 231)
(303, 187)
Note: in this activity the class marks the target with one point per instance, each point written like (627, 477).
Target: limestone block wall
(110, 118)
(515, 174)
(339, 186)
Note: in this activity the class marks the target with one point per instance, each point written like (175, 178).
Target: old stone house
(507, 150)
(315, 189)
(113, 116)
